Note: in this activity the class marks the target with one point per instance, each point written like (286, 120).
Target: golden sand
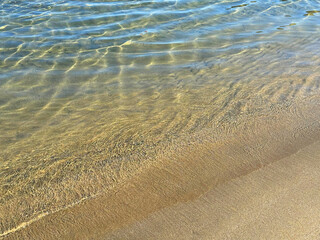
(258, 178)
(159, 119)
(278, 201)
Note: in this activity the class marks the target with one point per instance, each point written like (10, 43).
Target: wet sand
(259, 178)
(158, 119)
(278, 201)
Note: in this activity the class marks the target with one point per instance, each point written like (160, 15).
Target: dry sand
(260, 181)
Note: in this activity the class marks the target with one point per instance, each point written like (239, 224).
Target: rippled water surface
(93, 88)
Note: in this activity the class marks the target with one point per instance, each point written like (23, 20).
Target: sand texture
(258, 180)
(159, 119)
(279, 201)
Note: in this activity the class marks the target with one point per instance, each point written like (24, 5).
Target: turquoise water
(86, 83)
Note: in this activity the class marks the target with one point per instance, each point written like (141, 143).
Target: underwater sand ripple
(184, 174)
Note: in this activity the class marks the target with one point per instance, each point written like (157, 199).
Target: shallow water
(91, 91)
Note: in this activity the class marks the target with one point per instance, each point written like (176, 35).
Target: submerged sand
(207, 128)
(161, 139)
(258, 179)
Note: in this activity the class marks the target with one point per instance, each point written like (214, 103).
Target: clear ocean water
(88, 85)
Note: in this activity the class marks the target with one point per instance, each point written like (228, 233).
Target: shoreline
(278, 201)
(184, 175)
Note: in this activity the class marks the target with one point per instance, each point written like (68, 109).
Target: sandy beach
(279, 201)
(159, 119)
(261, 180)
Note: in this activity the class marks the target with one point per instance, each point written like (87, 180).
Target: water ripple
(124, 76)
